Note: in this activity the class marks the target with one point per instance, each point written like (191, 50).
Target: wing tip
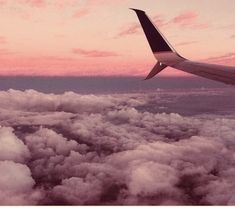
(137, 10)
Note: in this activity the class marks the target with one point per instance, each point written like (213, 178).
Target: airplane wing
(167, 56)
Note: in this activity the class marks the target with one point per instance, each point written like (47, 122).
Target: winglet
(156, 40)
(137, 10)
(161, 48)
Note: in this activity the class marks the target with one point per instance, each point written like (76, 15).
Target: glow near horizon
(101, 37)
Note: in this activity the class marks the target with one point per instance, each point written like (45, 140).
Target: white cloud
(16, 185)
(107, 149)
(12, 148)
(78, 191)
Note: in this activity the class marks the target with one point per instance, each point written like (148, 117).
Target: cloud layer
(111, 149)
(93, 53)
(185, 19)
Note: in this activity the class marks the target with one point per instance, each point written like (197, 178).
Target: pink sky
(103, 37)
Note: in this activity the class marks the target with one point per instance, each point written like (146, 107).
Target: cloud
(3, 2)
(112, 149)
(185, 17)
(40, 3)
(2, 40)
(33, 3)
(228, 55)
(130, 29)
(186, 43)
(135, 28)
(81, 13)
(16, 182)
(11, 147)
(89, 6)
(16, 185)
(189, 19)
(200, 26)
(228, 58)
(85, 191)
(93, 53)
(5, 52)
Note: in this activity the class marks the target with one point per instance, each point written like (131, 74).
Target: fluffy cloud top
(16, 185)
(11, 147)
(112, 149)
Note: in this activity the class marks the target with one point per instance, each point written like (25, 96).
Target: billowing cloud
(94, 53)
(16, 185)
(11, 147)
(16, 182)
(112, 149)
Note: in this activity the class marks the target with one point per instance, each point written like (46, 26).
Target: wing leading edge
(167, 56)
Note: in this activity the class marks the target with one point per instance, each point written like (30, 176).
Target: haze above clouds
(117, 148)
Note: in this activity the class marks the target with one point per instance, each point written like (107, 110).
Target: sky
(103, 37)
